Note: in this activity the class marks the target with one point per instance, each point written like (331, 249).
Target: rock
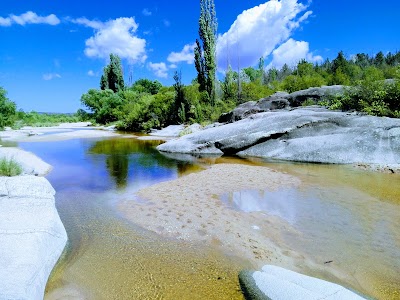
(307, 134)
(275, 283)
(29, 162)
(315, 93)
(170, 131)
(32, 236)
(240, 112)
(191, 129)
(280, 100)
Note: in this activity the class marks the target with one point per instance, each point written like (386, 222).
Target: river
(348, 218)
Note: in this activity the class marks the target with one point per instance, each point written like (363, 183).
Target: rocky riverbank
(304, 134)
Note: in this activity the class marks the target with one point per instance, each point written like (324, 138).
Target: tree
(204, 52)
(181, 107)
(7, 109)
(147, 86)
(112, 77)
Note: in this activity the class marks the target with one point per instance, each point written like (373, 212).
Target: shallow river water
(347, 218)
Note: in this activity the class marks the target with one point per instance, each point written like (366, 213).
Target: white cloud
(115, 36)
(166, 23)
(5, 21)
(50, 76)
(159, 69)
(291, 52)
(91, 73)
(186, 55)
(146, 12)
(88, 23)
(258, 31)
(29, 18)
(172, 66)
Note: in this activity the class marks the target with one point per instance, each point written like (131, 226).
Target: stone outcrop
(275, 283)
(307, 134)
(32, 236)
(281, 100)
(30, 163)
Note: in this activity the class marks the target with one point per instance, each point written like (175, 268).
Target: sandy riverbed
(189, 208)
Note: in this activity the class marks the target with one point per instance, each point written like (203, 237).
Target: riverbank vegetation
(373, 87)
(9, 167)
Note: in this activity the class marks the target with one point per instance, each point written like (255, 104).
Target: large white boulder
(32, 236)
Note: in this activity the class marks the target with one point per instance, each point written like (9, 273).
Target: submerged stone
(275, 283)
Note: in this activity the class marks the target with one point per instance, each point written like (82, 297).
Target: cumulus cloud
(159, 69)
(186, 55)
(29, 18)
(258, 31)
(291, 52)
(146, 12)
(115, 36)
(91, 73)
(50, 76)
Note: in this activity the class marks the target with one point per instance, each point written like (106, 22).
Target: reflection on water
(106, 257)
(280, 203)
(351, 228)
(348, 217)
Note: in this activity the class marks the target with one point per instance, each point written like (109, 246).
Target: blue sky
(53, 51)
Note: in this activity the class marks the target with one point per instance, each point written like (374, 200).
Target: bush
(9, 167)
(7, 110)
(378, 98)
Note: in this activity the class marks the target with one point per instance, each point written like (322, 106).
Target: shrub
(7, 110)
(9, 167)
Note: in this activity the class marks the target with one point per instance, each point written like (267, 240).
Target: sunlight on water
(353, 229)
(348, 219)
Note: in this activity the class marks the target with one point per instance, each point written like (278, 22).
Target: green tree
(7, 109)
(112, 77)
(205, 60)
(181, 106)
(229, 86)
(147, 86)
(105, 104)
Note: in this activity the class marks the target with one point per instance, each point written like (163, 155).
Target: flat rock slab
(32, 236)
(312, 134)
(275, 283)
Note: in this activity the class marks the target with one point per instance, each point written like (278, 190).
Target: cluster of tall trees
(148, 104)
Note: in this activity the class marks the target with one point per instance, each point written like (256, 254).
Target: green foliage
(43, 119)
(205, 55)
(105, 104)
(254, 91)
(147, 86)
(378, 98)
(229, 85)
(9, 167)
(7, 110)
(112, 77)
(181, 106)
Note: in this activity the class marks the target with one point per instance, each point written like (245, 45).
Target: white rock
(32, 236)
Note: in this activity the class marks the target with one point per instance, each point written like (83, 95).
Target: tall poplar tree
(112, 77)
(204, 52)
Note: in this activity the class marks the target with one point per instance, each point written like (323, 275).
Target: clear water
(108, 258)
(347, 219)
